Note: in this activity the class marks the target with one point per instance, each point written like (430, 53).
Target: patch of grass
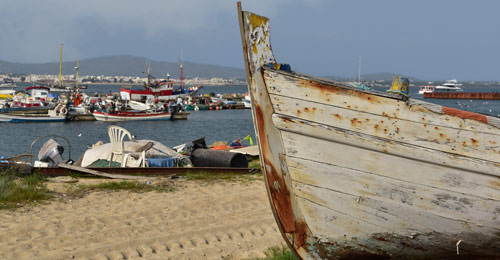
(17, 191)
(224, 176)
(254, 163)
(132, 186)
(278, 253)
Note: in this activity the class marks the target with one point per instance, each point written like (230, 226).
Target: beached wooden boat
(131, 116)
(360, 174)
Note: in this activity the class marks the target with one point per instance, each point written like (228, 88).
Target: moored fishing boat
(362, 174)
(161, 90)
(131, 116)
(10, 118)
(38, 97)
(426, 89)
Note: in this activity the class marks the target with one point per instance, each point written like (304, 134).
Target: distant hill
(125, 66)
(372, 77)
(384, 76)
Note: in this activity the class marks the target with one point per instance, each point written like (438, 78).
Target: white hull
(6, 118)
(445, 88)
(356, 174)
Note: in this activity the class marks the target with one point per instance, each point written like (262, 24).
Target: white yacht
(450, 85)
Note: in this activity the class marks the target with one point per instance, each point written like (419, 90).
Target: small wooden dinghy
(360, 174)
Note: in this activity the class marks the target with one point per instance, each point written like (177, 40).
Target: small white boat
(247, 103)
(426, 89)
(450, 85)
(131, 116)
(8, 118)
(7, 85)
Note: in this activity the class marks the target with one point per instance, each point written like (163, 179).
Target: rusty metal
(463, 95)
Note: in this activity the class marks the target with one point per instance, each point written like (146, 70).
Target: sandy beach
(197, 220)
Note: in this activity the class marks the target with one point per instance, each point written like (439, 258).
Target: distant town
(214, 81)
(119, 80)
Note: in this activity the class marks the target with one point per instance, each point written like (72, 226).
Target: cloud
(32, 30)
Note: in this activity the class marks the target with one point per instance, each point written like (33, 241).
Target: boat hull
(140, 116)
(6, 118)
(356, 174)
(149, 94)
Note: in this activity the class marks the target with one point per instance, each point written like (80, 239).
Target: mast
(60, 69)
(359, 70)
(182, 78)
(77, 70)
(149, 74)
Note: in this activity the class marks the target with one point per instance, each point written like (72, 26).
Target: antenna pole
(60, 68)
(359, 70)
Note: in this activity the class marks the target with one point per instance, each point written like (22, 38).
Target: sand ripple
(196, 221)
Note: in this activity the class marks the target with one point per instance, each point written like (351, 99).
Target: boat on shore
(362, 174)
(131, 116)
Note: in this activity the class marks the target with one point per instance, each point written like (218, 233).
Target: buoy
(63, 110)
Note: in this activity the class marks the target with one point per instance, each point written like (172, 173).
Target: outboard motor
(51, 152)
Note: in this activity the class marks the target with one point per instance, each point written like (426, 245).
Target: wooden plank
(390, 166)
(102, 174)
(446, 203)
(322, 92)
(327, 217)
(413, 154)
(148, 171)
(344, 231)
(454, 140)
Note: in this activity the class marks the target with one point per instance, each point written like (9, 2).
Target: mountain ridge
(125, 65)
(135, 66)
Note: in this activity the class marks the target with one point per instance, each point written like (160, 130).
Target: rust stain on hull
(279, 191)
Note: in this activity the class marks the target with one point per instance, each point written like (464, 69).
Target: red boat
(37, 98)
(161, 90)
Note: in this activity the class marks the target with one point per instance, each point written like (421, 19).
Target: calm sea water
(224, 125)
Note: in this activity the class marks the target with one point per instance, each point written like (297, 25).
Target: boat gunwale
(436, 108)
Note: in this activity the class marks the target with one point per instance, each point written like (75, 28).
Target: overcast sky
(426, 39)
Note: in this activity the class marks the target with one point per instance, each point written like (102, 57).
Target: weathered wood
(102, 174)
(361, 174)
(430, 202)
(384, 145)
(424, 134)
(323, 92)
(390, 166)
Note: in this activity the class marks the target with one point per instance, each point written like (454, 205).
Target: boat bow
(360, 174)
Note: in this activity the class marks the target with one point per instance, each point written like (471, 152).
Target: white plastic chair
(117, 135)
